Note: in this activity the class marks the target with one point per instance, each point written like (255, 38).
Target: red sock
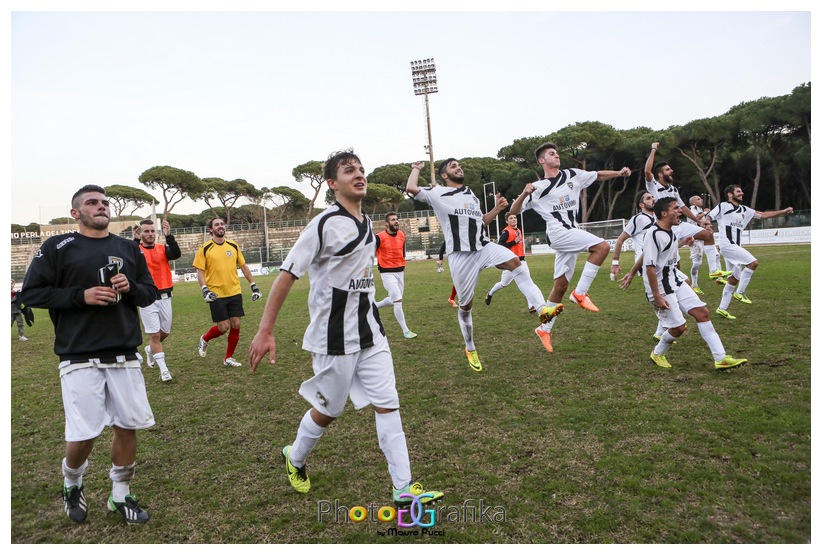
(453, 293)
(233, 339)
(214, 332)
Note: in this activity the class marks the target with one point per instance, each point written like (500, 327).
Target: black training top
(67, 265)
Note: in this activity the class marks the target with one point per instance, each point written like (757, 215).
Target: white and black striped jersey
(338, 251)
(460, 215)
(556, 199)
(730, 221)
(661, 250)
(660, 191)
(636, 228)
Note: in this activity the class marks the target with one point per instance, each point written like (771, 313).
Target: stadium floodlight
(424, 77)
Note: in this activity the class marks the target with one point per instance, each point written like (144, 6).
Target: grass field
(590, 444)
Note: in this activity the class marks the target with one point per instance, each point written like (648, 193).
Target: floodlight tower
(424, 75)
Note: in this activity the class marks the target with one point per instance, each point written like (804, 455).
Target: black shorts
(226, 307)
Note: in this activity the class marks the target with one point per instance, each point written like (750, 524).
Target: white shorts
(568, 245)
(736, 258)
(394, 283)
(686, 229)
(156, 317)
(682, 301)
(366, 377)
(100, 395)
(466, 266)
(696, 251)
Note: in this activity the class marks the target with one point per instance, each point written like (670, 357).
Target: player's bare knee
(510, 265)
(599, 252)
(752, 266)
(677, 331)
(700, 314)
(706, 235)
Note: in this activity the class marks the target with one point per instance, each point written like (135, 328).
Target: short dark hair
(211, 221)
(639, 197)
(730, 189)
(86, 189)
(389, 214)
(444, 166)
(147, 221)
(336, 159)
(658, 168)
(543, 147)
(663, 205)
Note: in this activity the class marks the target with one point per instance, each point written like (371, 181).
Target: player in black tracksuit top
(68, 264)
(92, 282)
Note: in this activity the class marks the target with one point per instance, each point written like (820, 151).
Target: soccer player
(156, 317)
(217, 262)
(635, 229)
(391, 263)
(350, 354)
(556, 199)
(697, 209)
(664, 287)
(510, 238)
(731, 218)
(92, 282)
(469, 250)
(659, 181)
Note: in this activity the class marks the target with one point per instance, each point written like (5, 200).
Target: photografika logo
(415, 515)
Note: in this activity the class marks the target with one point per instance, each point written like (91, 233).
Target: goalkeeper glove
(208, 295)
(255, 292)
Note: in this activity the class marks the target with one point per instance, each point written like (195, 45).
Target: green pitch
(591, 444)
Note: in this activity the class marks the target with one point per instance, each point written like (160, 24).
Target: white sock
(400, 316)
(712, 339)
(747, 274)
(497, 286)
(385, 302)
(664, 343)
(120, 478)
(73, 476)
(527, 286)
(589, 272)
(308, 434)
(727, 294)
(160, 359)
(695, 275)
(467, 327)
(392, 442)
(660, 329)
(713, 258)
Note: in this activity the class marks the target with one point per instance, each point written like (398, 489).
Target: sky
(99, 96)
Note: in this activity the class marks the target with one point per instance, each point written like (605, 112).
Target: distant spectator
(17, 313)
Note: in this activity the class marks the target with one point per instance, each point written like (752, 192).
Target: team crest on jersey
(116, 260)
(571, 185)
(229, 253)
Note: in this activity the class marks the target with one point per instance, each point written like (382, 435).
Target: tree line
(762, 145)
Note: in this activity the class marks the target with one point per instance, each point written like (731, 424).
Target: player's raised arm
(412, 185)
